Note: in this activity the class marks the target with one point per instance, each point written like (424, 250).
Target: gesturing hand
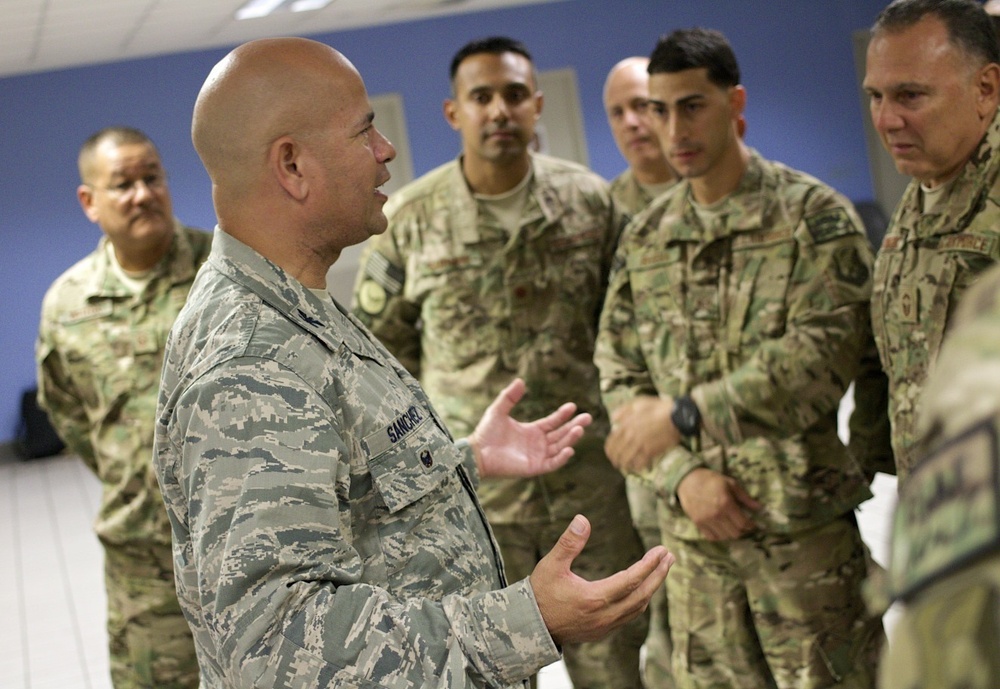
(576, 610)
(506, 447)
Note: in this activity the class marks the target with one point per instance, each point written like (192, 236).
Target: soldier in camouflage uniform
(626, 100)
(100, 349)
(945, 555)
(494, 267)
(732, 327)
(933, 82)
(326, 528)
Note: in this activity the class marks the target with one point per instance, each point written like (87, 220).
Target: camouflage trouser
(612, 663)
(772, 610)
(150, 641)
(948, 636)
(656, 667)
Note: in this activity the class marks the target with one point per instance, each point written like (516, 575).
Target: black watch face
(689, 421)
(686, 417)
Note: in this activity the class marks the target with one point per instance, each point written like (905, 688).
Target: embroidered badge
(372, 297)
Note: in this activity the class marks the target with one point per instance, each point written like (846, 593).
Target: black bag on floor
(36, 437)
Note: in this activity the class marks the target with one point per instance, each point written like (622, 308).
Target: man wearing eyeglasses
(100, 350)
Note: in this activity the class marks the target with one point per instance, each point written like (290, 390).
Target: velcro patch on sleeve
(948, 512)
(830, 224)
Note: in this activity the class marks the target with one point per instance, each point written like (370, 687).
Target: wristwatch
(686, 416)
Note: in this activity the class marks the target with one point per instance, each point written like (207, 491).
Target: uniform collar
(324, 319)
(178, 266)
(748, 203)
(964, 200)
(543, 199)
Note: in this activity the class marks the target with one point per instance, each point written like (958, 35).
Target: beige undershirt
(931, 198)
(507, 208)
(322, 295)
(711, 216)
(654, 190)
(134, 282)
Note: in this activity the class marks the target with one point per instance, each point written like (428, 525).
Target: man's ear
(539, 103)
(85, 195)
(450, 108)
(285, 160)
(738, 99)
(988, 86)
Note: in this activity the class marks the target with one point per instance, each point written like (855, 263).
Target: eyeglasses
(126, 189)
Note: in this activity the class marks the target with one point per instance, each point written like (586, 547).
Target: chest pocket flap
(410, 458)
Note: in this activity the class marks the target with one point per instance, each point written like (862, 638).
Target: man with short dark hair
(733, 325)
(494, 267)
(100, 349)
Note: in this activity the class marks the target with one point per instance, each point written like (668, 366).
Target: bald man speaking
(326, 530)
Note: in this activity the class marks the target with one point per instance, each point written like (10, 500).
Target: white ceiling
(39, 35)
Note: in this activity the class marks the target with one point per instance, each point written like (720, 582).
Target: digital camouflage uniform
(99, 352)
(467, 308)
(759, 318)
(326, 528)
(927, 261)
(945, 555)
(631, 198)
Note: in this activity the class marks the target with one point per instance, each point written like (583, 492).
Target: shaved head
(626, 100)
(628, 69)
(286, 132)
(259, 92)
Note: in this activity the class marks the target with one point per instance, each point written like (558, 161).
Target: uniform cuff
(671, 470)
(718, 418)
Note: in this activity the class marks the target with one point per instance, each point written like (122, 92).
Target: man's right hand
(576, 610)
(717, 504)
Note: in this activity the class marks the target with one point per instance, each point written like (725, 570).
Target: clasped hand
(641, 431)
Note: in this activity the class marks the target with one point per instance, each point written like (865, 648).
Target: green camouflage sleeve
(793, 379)
(617, 353)
(625, 374)
(619, 221)
(379, 296)
(285, 526)
(57, 397)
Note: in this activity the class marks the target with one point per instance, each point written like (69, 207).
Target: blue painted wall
(796, 58)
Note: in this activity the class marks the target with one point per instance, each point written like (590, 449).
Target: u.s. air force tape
(948, 512)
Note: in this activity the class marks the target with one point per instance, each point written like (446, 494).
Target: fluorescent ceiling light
(306, 5)
(262, 8)
(258, 8)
